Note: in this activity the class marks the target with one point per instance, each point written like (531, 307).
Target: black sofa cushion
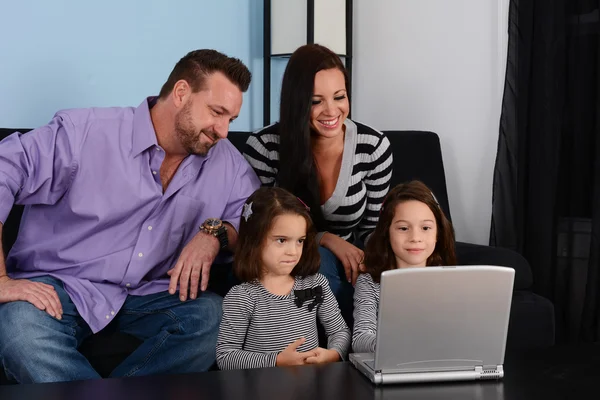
(532, 322)
(418, 156)
(473, 254)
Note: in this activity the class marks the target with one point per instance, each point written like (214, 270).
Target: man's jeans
(177, 337)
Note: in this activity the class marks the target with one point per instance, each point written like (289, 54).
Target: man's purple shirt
(95, 213)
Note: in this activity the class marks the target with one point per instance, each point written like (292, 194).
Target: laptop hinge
(490, 371)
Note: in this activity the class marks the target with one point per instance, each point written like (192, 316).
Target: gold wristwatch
(216, 227)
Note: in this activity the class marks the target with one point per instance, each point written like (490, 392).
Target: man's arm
(246, 183)
(3, 274)
(36, 168)
(192, 270)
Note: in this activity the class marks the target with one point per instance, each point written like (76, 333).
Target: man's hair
(196, 65)
(261, 209)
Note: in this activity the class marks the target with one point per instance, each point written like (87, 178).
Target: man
(123, 207)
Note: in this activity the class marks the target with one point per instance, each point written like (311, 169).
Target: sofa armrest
(475, 254)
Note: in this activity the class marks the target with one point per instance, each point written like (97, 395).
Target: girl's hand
(289, 356)
(350, 256)
(323, 356)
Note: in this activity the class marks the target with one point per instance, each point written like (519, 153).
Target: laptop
(439, 324)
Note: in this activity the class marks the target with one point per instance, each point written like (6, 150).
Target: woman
(341, 169)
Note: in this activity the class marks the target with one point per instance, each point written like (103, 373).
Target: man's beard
(189, 138)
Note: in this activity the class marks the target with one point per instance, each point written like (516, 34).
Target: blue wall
(68, 53)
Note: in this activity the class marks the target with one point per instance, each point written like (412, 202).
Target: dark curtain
(546, 192)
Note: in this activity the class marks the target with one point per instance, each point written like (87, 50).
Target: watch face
(212, 223)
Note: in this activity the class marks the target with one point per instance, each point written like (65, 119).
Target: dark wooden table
(560, 373)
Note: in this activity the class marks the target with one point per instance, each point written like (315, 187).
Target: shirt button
(140, 254)
(150, 227)
(128, 284)
(112, 313)
(157, 148)
(154, 172)
(108, 317)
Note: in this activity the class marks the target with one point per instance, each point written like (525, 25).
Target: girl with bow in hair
(270, 319)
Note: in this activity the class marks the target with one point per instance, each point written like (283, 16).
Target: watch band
(220, 234)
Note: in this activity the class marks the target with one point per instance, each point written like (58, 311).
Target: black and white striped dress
(366, 307)
(257, 325)
(363, 182)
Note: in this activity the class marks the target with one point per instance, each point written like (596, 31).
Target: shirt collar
(144, 135)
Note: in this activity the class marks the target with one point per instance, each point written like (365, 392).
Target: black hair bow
(303, 295)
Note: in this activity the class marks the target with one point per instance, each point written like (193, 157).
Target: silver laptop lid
(443, 318)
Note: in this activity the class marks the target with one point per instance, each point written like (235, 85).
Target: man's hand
(289, 356)
(193, 265)
(350, 256)
(39, 294)
(323, 356)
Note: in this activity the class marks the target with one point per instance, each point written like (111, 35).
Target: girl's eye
(403, 228)
(315, 102)
(301, 241)
(281, 241)
(426, 228)
(339, 98)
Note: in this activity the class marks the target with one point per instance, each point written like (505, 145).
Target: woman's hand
(350, 256)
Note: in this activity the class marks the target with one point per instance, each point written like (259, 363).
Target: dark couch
(532, 316)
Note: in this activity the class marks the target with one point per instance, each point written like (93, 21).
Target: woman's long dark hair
(297, 170)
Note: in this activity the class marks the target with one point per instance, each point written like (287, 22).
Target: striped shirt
(366, 307)
(362, 184)
(257, 325)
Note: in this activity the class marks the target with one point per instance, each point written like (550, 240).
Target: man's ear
(180, 93)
